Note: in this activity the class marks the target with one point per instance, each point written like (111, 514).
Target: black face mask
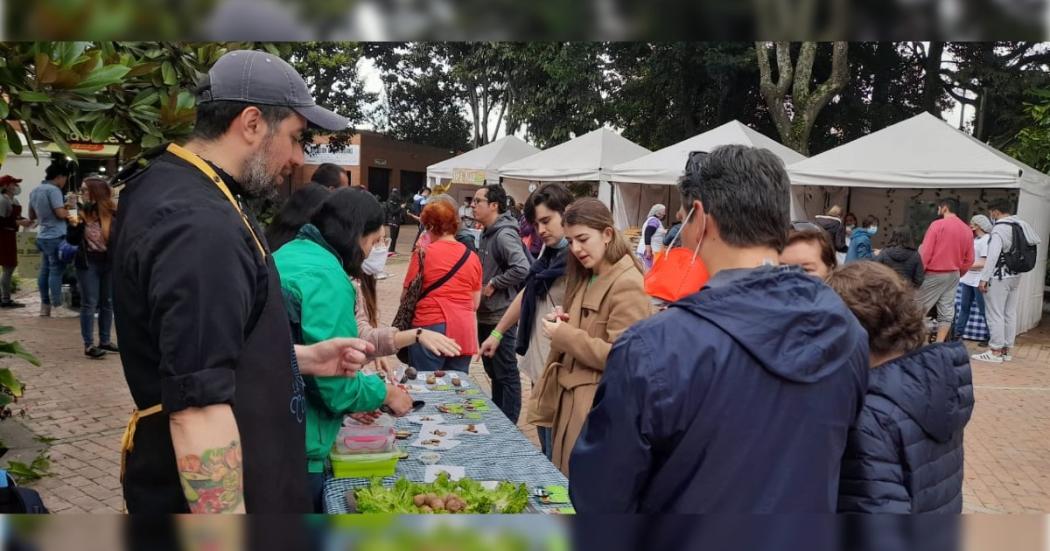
(89, 206)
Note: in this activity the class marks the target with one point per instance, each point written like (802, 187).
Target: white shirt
(980, 250)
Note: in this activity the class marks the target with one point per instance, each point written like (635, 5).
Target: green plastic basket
(364, 465)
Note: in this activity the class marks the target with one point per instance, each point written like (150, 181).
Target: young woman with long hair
(90, 233)
(606, 295)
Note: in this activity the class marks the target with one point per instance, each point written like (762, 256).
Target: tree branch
(804, 72)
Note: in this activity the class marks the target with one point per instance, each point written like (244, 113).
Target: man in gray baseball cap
(204, 336)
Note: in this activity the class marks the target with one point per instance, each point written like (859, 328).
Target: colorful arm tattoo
(213, 481)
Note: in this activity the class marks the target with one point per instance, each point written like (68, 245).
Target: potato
(411, 373)
(426, 510)
(436, 504)
(420, 500)
(454, 505)
(457, 382)
(431, 380)
(439, 373)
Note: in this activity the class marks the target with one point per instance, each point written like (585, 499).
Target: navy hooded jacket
(905, 453)
(736, 399)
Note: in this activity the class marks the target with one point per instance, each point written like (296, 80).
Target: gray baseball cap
(264, 79)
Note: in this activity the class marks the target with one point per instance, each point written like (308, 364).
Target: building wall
(379, 153)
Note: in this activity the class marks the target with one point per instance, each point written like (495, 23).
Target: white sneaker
(1007, 357)
(64, 313)
(988, 356)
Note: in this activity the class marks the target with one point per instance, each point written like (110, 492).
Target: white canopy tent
(477, 167)
(645, 181)
(586, 158)
(926, 156)
(480, 165)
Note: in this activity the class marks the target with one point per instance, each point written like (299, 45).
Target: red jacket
(948, 246)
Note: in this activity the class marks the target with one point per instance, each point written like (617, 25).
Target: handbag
(415, 292)
(67, 252)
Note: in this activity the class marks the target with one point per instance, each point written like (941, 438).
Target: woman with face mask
(90, 232)
(606, 295)
(316, 270)
(653, 232)
(860, 240)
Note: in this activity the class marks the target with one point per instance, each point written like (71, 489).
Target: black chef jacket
(201, 322)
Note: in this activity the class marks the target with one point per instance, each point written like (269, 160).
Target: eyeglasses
(805, 226)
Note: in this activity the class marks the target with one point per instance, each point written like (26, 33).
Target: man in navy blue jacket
(739, 398)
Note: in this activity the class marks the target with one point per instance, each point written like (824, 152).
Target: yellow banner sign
(468, 176)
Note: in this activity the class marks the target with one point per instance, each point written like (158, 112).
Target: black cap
(264, 79)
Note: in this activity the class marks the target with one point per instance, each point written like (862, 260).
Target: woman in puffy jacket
(901, 255)
(904, 454)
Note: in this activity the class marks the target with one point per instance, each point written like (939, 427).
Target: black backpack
(18, 501)
(1021, 256)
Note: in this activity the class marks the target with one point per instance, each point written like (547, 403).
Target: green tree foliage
(139, 93)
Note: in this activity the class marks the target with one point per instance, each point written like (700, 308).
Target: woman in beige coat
(606, 295)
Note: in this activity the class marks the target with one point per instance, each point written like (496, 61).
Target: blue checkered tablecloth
(976, 327)
(504, 454)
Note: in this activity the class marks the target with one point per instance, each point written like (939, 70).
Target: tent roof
(490, 156)
(667, 165)
(920, 152)
(586, 158)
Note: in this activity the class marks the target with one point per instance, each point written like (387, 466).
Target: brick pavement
(83, 404)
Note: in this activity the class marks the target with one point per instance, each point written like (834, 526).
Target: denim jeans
(96, 294)
(425, 360)
(51, 268)
(502, 369)
(969, 296)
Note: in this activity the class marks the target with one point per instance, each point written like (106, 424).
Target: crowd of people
(797, 379)
(954, 259)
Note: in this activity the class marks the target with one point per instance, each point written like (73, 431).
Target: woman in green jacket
(315, 270)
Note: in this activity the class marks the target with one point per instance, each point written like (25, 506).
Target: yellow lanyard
(208, 171)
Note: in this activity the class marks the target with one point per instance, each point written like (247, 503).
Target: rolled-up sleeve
(202, 275)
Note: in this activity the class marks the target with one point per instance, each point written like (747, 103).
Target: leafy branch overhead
(138, 93)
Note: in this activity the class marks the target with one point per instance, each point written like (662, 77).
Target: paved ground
(83, 404)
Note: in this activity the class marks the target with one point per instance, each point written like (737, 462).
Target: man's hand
(399, 401)
(489, 347)
(488, 290)
(983, 287)
(334, 357)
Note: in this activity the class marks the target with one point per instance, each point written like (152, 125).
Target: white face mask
(16, 190)
(873, 229)
(375, 264)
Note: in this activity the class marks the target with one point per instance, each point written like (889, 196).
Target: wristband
(495, 333)
(419, 332)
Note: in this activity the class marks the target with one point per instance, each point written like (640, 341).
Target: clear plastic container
(364, 465)
(364, 439)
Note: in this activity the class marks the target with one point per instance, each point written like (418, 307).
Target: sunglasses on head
(694, 162)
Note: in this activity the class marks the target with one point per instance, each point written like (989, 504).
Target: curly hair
(883, 304)
(440, 218)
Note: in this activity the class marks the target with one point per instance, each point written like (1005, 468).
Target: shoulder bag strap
(444, 279)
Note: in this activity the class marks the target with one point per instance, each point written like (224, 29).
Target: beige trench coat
(597, 316)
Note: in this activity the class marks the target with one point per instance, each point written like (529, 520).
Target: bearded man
(205, 340)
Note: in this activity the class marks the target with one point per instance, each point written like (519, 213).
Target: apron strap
(208, 171)
(127, 442)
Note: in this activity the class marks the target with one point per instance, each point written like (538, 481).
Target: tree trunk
(933, 86)
(806, 103)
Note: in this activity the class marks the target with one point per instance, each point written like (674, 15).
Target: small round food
(420, 500)
(456, 381)
(411, 373)
(425, 510)
(436, 504)
(432, 380)
(439, 373)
